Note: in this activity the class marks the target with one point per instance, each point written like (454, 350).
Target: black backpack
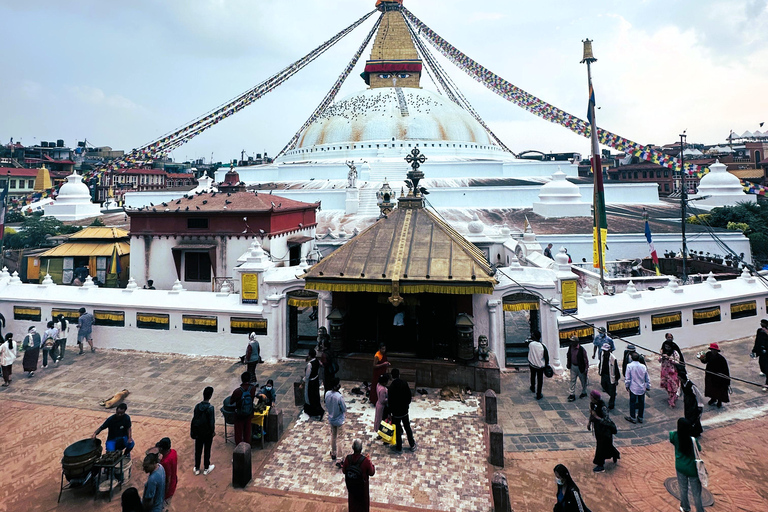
(354, 476)
(200, 424)
(246, 402)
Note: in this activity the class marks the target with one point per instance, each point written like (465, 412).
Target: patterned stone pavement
(447, 472)
(553, 423)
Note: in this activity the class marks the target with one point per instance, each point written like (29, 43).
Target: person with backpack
(243, 398)
(49, 344)
(202, 430)
(62, 325)
(8, 352)
(357, 469)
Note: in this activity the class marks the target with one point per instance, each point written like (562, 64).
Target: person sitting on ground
(267, 394)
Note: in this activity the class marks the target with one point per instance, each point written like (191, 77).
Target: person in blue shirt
(599, 340)
(337, 410)
(154, 490)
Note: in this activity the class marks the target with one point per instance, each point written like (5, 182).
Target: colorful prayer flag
(600, 222)
(115, 267)
(654, 256)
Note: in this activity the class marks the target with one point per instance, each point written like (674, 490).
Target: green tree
(34, 230)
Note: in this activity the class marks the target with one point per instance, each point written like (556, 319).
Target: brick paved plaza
(40, 416)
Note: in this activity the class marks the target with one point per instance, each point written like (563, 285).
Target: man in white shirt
(637, 382)
(538, 359)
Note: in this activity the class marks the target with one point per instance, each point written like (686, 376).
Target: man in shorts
(84, 330)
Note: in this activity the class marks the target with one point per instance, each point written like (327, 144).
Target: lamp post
(683, 203)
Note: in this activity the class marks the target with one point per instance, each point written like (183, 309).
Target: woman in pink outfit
(382, 402)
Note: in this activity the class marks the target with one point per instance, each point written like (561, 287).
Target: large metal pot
(79, 458)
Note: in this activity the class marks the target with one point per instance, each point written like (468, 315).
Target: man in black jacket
(577, 361)
(203, 429)
(399, 402)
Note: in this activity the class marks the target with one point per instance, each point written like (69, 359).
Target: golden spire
(394, 61)
(43, 179)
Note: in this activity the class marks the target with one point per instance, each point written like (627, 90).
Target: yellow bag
(387, 432)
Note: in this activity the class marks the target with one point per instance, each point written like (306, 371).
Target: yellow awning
(87, 249)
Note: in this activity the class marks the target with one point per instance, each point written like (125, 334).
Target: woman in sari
(382, 393)
(670, 359)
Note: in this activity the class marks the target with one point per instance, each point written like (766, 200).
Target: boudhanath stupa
(355, 145)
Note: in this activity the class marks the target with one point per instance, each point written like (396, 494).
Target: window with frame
(30, 183)
(624, 327)
(27, 313)
(199, 323)
(238, 325)
(743, 309)
(12, 184)
(109, 318)
(666, 321)
(706, 315)
(197, 223)
(197, 266)
(158, 321)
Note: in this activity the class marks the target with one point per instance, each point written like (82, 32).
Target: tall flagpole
(598, 199)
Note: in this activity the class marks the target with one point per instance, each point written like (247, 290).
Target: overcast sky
(124, 73)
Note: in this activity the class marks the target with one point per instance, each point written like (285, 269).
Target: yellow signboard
(249, 288)
(570, 296)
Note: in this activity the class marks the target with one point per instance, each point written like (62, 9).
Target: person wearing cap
(169, 459)
(715, 386)
(601, 339)
(577, 361)
(760, 350)
(608, 369)
(628, 358)
(252, 356)
(31, 348)
(602, 426)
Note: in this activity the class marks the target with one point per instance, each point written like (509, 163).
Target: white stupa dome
(559, 190)
(390, 114)
(73, 201)
(74, 190)
(722, 187)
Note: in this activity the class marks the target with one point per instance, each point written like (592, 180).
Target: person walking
(337, 410)
(382, 402)
(601, 339)
(119, 431)
(760, 350)
(399, 405)
(358, 469)
(538, 359)
(85, 330)
(569, 497)
(202, 430)
(693, 403)
(49, 344)
(608, 369)
(154, 489)
(8, 353)
(242, 398)
(253, 356)
(670, 359)
(380, 366)
(169, 459)
(715, 386)
(604, 428)
(31, 348)
(631, 349)
(577, 362)
(62, 325)
(637, 382)
(685, 465)
(312, 387)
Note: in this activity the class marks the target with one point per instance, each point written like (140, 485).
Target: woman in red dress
(380, 365)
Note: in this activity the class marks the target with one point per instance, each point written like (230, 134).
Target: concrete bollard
(274, 424)
(500, 493)
(496, 445)
(241, 466)
(491, 414)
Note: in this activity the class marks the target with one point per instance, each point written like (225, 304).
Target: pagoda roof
(411, 250)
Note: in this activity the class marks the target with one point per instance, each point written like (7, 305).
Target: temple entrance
(302, 322)
(521, 318)
(422, 327)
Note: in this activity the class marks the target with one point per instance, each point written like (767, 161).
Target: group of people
(52, 343)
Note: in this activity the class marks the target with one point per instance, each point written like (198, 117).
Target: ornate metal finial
(588, 57)
(415, 158)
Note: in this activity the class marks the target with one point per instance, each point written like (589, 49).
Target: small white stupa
(721, 188)
(73, 201)
(561, 198)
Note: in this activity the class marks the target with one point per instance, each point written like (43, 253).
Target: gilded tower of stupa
(394, 61)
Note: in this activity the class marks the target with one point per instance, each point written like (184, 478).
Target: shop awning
(87, 249)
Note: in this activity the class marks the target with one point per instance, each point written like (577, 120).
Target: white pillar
(279, 340)
(324, 302)
(550, 334)
(496, 339)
